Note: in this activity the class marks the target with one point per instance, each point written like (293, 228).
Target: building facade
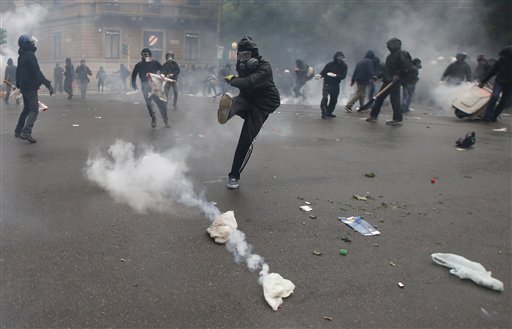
(109, 33)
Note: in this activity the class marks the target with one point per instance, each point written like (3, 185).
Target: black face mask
(250, 65)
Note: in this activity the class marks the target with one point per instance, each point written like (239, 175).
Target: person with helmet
(82, 71)
(409, 84)
(332, 74)
(69, 76)
(363, 73)
(142, 68)
(171, 69)
(9, 76)
(258, 98)
(502, 69)
(28, 79)
(396, 68)
(481, 68)
(58, 74)
(458, 71)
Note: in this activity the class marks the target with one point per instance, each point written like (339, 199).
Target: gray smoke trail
(156, 181)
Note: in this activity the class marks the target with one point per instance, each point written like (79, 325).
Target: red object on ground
(432, 180)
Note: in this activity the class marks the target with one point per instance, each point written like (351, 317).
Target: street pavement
(73, 257)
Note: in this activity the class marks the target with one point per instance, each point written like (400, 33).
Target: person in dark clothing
(123, 74)
(69, 76)
(142, 68)
(301, 73)
(171, 69)
(58, 74)
(458, 71)
(258, 98)
(363, 73)
(502, 69)
(481, 68)
(409, 84)
(9, 76)
(397, 66)
(28, 79)
(82, 72)
(332, 73)
(101, 76)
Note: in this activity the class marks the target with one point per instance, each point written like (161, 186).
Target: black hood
(506, 53)
(27, 47)
(370, 55)
(248, 44)
(394, 44)
(338, 54)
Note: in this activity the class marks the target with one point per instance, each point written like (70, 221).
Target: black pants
(394, 97)
(68, 86)
(329, 91)
(254, 119)
(174, 86)
(298, 85)
(28, 116)
(162, 106)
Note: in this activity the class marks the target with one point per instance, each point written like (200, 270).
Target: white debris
(500, 129)
(222, 227)
(275, 288)
(76, 125)
(305, 208)
(466, 269)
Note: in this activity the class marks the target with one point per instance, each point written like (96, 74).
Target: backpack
(310, 73)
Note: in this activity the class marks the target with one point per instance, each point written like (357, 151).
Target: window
(56, 45)
(191, 46)
(112, 43)
(194, 2)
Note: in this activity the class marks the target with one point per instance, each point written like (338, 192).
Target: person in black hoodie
(502, 69)
(171, 69)
(10, 76)
(397, 66)
(69, 76)
(257, 99)
(458, 71)
(142, 68)
(28, 79)
(332, 73)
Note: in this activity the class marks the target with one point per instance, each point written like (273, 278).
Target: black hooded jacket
(258, 86)
(364, 69)
(142, 68)
(398, 63)
(502, 68)
(340, 69)
(171, 67)
(28, 74)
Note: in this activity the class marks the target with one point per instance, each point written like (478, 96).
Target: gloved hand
(332, 75)
(48, 86)
(318, 77)
(396, 78)
(228, 78)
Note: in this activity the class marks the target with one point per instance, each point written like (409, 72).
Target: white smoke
(444, 94)
(150, 181)
(23, 20)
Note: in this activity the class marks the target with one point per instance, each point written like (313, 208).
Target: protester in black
(82, 77)
(142, 68)
(58, 74)
(301, 73)
(28, 79)
(9, 76)
(481, 68)
(257, 99)
(171, 69)
(458, 71)
(397, 66)
(69, 75)
(502, 69)
(332, 73)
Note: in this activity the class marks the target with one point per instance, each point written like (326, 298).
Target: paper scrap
(360, 225)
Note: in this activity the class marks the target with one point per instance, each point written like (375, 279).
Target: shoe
(348, 109)
(330, 115)
(153, 122)
(29, 138)
(394, 123)
(233, 183)
(224, 108)
(324, 115)
(371, 119)
(19, 136)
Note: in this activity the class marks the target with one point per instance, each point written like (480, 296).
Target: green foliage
(3, 36)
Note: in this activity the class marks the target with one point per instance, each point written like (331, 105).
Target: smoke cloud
(150, 181)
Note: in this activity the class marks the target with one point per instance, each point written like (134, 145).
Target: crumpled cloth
(222, 227)
(466, 269)
(275, 288)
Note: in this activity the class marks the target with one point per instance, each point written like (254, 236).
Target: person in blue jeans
(409, 85)
(502, 69)
(28, 79)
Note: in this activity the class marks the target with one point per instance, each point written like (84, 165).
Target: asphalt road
(71, 256)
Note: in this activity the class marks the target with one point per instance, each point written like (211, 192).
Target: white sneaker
(233, 183)
(224, 108)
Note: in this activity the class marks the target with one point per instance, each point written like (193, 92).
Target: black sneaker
(233, 183)
(371, 119)
(330, 115)
(224, 108)
(153, 122)
(19, 136)
(348, 109)
(394, 123)
(29, 138)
